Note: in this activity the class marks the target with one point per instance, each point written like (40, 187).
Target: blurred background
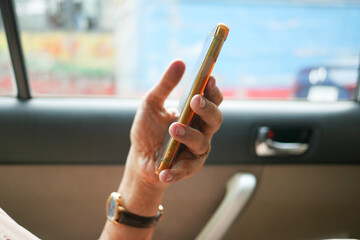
(281, 49)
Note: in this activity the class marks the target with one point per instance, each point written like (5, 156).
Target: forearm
(139, 197)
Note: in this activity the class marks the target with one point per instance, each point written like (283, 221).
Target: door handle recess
(265, 146)
(238, 191)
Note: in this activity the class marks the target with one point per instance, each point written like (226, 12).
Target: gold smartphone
(210, 53)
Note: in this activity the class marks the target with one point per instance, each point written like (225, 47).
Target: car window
(7, 83)
(278, 50)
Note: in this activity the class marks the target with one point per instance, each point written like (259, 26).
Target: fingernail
(211, 83)
(165, 176)
(180, 131)
(169, 177)
(202, 103)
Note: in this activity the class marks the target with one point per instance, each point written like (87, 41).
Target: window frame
(15, 48)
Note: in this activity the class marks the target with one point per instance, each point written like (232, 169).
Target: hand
(152, 121)
(141, 189)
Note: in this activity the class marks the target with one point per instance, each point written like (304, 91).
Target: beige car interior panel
(289, 202)
(302, 202)
(68, 201)
(239, 190)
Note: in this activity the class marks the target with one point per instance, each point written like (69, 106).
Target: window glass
(275, 49)
(7, 83)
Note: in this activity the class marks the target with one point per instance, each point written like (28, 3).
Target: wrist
(139, 195)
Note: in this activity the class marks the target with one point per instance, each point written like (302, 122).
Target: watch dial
(112, 209)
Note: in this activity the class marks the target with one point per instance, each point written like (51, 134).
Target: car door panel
(68, 201)
(302, 202)
(98, 130)
(61, 157)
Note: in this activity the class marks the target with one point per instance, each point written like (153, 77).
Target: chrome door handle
(287, 148)
(238, 191)
(265, 146)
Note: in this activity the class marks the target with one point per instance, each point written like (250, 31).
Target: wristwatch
(116, 212)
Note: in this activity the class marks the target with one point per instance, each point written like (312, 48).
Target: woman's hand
(152, 122)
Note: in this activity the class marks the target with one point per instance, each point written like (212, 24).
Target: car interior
(281, 166)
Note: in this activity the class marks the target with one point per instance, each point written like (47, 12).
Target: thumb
(168, 82)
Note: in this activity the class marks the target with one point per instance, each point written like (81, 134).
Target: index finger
(212, 92)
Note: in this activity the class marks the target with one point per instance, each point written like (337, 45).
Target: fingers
(210, 114)
(181, 170)
(192, 138)
(167, 83)
(197, 143)
(189, 163)
(212, 92)
(207, 108)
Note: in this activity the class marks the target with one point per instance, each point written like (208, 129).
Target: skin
(141, 189)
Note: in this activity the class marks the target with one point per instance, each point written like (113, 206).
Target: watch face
(112, 209)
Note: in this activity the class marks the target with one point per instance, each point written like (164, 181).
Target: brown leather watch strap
(134, 220)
